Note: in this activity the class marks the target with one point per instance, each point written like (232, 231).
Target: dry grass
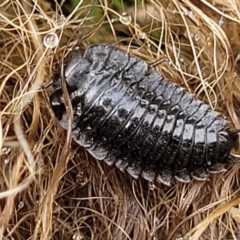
(51, 191)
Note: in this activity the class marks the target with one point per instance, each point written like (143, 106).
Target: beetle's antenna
(234, 160)
(48, 84)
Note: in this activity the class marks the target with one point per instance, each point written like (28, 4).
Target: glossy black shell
(127, 114)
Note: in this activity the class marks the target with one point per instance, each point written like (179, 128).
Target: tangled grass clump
(49, 187)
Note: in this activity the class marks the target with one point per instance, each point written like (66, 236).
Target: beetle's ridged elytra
(127, 114)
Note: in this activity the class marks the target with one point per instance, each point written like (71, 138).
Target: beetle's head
(67, 70)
